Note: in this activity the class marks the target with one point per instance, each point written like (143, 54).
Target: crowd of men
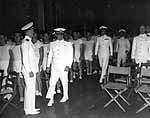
(53, 57)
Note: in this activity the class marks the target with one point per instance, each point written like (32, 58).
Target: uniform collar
(143, 34)
(27, 37)
(60, 40)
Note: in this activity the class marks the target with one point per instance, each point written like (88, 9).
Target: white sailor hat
(103, 27)
(28, 26)
(122, 30)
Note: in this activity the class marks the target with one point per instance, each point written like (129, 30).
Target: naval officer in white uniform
(140, 47)
(60, 58)
(29, 69)
(103, 49)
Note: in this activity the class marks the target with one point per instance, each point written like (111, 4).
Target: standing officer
(122, 48)
(103, 49)
(29, 69)
(60, 58)
(140, 47)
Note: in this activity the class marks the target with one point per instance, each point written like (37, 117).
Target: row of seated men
(86, 47)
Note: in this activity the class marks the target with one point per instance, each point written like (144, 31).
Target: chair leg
(7, 103)
(142, 108)
(122, 98)
(113, 99)
(145, 105)
(4, 107)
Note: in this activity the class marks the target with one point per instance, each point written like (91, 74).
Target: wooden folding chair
(143, 88)
(117, 87)
(9, 89)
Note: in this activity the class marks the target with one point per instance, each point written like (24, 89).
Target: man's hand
(67, 68)
(31, 74)
(47, 69)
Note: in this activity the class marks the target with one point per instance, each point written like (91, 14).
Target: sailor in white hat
(29, 69)
(60, 58)
(122, 48)
(103, 49)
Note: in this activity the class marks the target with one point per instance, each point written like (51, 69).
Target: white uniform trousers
(103, 61)
(55, 76)
(29, 97)
(121, 58)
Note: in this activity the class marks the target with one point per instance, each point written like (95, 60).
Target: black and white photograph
(74, 58)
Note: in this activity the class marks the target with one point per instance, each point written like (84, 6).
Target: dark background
(74, 14)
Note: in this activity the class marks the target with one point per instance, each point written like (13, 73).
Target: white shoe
(100, 81)
(50, 103)
(32, 113)
(59, 91)
(37, 109)
(74, 76)
(64, 99)
(21, 99)
(40, 94)
(36, 93)
(95, 72)
(71, 81)
(80, 77)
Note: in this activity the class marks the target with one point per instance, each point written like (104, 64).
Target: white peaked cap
(59, 29)
(103, 27)
(29, 25)
(122, 30)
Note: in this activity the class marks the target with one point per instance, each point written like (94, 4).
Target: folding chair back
(9, 90)
(145, 72)
(116, 86)
(125, 71)
(143, 87)
(119, 70)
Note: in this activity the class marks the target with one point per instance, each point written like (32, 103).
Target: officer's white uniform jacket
(60, 55)
(104, 46)
(29, 59)
(140, 49)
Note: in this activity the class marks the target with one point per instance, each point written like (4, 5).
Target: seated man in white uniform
(140, 47)
(29, 69)
(60, 58)
(122, 48)
(39, 55)
(88, 53)
(17, 63)
(104, 50)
